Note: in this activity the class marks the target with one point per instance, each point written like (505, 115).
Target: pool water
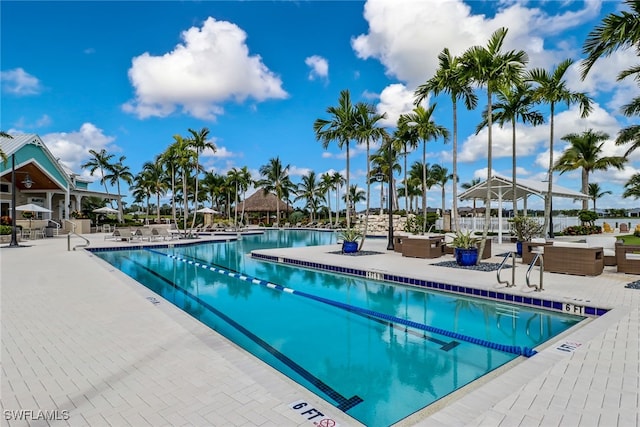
(377, 371)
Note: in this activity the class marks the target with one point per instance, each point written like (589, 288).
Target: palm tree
(551, 89)
(487, 66)
(184, 160)
(450, 78)
(234, 178)
(245, 181)
(468, 185)
(405, 137)
(595, 192)
(514, 103)
(199, 143)
(326, 184)
(353, 196)
(340, 128)
(276, 181)
(632, 187)
(100, 161)
(152, 176)
(426, 128)
(618, 31)
(441, 176)
(338, 181)
(387, 155)
(585, 153)
(170, 159)
(310, 190)
(119, 172)
(366, 131)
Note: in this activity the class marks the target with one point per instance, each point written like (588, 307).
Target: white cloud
(395, 99)
(210, 67)
(319, 67)
(72, 148)
(19, 83)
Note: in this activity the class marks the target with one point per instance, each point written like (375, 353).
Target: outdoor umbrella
(106, 210)
(30, 207)
(207, 211)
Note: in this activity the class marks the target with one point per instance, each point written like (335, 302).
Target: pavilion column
(49, 196)
(67, 205)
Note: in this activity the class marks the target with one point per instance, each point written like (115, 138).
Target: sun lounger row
(126, 234)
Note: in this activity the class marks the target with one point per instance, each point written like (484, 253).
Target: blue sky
(127, 76)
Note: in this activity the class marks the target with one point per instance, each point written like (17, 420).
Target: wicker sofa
(423, 246)
(573, 258)
(628, 258)
(608, 245)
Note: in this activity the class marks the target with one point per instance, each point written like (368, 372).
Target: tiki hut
(262, 207)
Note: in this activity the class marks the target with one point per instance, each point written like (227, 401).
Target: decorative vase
(466, 257)
(349, 247)
(519, 248)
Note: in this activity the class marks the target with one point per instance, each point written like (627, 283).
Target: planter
(519, 248)
(349, 247)
(466, 257)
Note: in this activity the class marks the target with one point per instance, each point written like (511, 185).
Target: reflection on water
(395, 370)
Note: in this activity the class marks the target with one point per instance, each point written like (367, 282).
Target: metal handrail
(513, 270)
(533, 262)
(57, 226)
(76, 246)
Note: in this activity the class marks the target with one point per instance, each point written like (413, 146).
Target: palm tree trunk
(158, 199)
(173, 194)
(337, 205)
(185, 202)
(366, 218)
(382, 198)
(487, 202)
(347, 204)
(424, 186)
(454, 207)
(547, 200)
(585, 188)
(513, 166)
(195, 194)
(406, 188)
(235, 223)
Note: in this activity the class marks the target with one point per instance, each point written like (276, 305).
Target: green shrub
(582, 230)
(587, 217)
(5, 229)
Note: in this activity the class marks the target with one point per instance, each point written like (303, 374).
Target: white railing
(57, 226)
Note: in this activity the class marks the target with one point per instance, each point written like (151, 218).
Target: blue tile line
(520, 351)
(458, 289)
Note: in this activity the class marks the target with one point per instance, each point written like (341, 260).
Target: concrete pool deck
(87, 343)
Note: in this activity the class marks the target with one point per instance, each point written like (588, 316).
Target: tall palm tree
(276, 181)
(246, 181)
(198, 142)
(366, 131)
(585, 153)
(514, 103)
(450, 78)
(170, 160)
(340, 128)
(338, 181)
(468, 185)
(101, 160)
(185, 161)
(552, 88)
(326, 184)
(310, 190)
(405, 137)
(234, 178)
(441, 176)
(618, 31)
(489, 67)
(595, 192)
(354, 195)
(387, 156)
(119, 172)
(152, 175)
(421, 120)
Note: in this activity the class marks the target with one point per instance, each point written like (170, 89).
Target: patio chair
(573, 258)
(608, 245)
(624, 227)
(606, 228)
(628, 258)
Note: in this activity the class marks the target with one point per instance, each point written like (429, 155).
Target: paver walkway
(83, 340)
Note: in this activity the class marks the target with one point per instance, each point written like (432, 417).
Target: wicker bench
(628, 258)
(573, 258)
(424, 247)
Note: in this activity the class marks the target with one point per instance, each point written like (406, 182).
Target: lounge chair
(606, 228)
(624, 227)
(573, 258)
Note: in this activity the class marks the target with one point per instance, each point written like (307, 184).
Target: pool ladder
(511, 284)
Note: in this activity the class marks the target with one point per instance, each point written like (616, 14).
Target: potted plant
(465, 248)
(350, 237)
(524, 228)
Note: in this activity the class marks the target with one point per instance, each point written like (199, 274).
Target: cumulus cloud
(319, 67)
(20, 83)
(395, 99)
(72, 148)
(211, 66)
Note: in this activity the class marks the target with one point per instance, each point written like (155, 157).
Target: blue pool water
(376, 370)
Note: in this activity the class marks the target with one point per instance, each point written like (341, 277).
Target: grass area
(630, 239)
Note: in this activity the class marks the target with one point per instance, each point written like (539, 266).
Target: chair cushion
(570, 244)
(605, 242)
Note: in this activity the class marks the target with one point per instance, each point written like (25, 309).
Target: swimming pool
(357, 343)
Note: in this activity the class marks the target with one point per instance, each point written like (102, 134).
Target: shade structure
(106, 210)
(207, 211)
(502, 189)
(30, 207)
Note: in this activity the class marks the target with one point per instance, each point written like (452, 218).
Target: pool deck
(85, 340)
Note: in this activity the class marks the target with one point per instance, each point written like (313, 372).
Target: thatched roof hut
(265, 204)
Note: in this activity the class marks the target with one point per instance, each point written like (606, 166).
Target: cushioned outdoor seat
(628, 258)
(573, 258)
